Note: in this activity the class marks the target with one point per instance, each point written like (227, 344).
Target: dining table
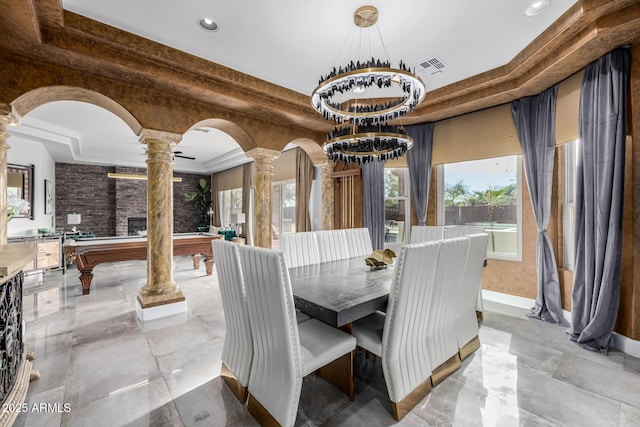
(341, 292)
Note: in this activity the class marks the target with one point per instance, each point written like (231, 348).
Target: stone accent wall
(106, 203)
(85, 189)
(131, 198)
(185, 218)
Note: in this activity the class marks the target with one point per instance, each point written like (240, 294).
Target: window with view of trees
(484, 194)
(230, 206)
(283, 207)
(396, 205)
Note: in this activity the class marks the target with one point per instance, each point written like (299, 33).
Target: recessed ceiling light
(207, 24)
(536, 7)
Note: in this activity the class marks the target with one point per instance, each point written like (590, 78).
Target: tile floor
(112, 370)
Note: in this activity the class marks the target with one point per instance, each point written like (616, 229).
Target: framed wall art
(48, 197)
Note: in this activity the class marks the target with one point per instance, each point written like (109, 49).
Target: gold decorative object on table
(380, 258)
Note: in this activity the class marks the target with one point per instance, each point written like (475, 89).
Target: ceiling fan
(176, 153)
(179, 154)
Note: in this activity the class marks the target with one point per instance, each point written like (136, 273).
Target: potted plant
(201, 199)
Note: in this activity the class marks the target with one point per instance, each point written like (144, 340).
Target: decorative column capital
(147, 135)
(263, 154)
(159, 145)
(8, 116)
(263, 159)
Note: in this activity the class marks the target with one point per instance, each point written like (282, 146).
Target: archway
(44, 95)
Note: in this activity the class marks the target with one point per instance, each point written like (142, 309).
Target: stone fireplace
(135, 224)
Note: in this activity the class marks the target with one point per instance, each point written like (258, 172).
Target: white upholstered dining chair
(441, 325)
(285, 351)
(332, 245)
(358, 242)
(462, 231)
(237, 350)
(399, 336)
(299, 249)
(470, 286)
(458, 231)
(426, 233)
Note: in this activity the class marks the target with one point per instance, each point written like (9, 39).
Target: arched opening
(223, 145)
(44, 95)
(73, 145)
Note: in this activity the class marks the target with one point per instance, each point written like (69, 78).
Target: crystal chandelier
(362, 97)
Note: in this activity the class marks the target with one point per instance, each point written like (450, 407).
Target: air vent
(433, 65)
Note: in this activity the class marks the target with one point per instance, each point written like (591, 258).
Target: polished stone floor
(112, 370)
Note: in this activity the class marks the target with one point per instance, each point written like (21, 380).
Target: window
(570, 160)
(484, 194)
(283, 207)
(230, 206)
(397, 217)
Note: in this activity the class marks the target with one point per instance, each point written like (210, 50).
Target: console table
(48, 254)
(16, 368)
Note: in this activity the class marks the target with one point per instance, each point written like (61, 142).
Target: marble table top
(340, 292)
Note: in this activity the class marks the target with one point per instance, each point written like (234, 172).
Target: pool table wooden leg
(208, 263)
(86, 275)
(196, 261)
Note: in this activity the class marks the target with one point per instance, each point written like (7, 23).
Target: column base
(157, 306)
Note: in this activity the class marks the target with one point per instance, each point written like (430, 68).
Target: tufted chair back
(405, 354)
(300, 248)
(237, 351)
(441, 325)
(426, 233)
(358, 242)
(276, 371)
(453, 232)
(332, 245)
(470, 286)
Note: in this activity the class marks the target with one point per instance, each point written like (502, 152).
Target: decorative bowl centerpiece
(380, 258)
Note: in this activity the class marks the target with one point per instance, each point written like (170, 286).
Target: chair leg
(340, 373)
(469, 348)
(447, 368)
(236, 387)
(260, 413)
(402, 408)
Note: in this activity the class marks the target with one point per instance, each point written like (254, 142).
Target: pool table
(90, 252)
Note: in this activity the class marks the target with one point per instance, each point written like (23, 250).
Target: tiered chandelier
(362, 98)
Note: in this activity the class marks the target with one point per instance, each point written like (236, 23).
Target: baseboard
(512, 300)
(625, 344)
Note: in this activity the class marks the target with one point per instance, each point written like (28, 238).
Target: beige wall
(284, 168)
(230, 178)
(492, 133)
(489, 133)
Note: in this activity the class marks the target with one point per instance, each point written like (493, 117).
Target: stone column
(262, 178)
(160, 288)
(328, 195)
(7, 117)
